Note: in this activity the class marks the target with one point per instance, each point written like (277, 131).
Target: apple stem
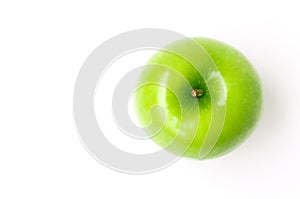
(197, 92)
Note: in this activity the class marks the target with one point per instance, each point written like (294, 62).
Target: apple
(242, 101)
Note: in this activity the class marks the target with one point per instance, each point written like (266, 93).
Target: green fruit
(242, 99)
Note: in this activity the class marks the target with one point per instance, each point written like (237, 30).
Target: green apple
(242, 99)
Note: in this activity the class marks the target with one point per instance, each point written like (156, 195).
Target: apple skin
(243, 99)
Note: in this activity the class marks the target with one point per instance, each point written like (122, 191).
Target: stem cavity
(197, 92)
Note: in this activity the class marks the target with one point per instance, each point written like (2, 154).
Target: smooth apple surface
(243, 99)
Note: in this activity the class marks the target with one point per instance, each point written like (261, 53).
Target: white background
(42, 47)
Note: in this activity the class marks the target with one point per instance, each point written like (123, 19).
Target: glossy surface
(242, 90)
